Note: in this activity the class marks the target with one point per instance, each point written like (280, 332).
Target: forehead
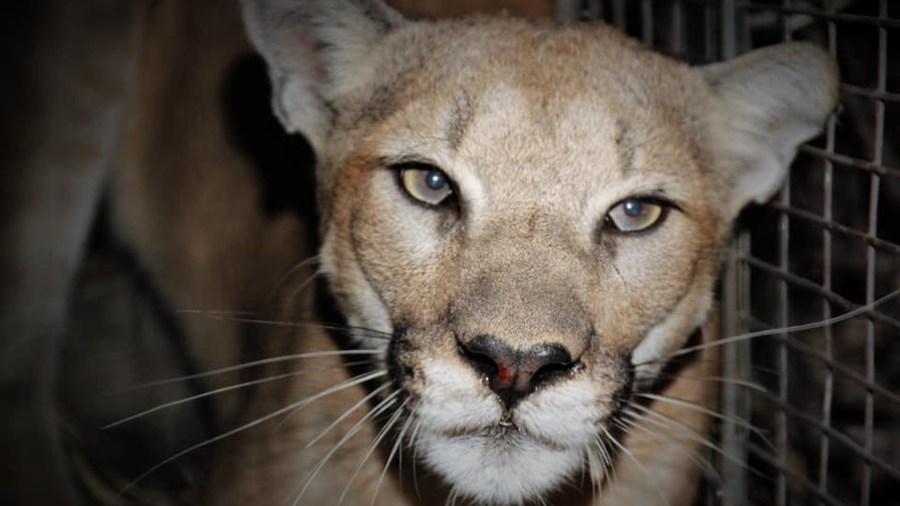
(534, 102)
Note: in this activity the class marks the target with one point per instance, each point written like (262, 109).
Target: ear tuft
(313, 48)
(768, 102)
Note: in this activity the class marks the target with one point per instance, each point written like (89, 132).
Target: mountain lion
(521, 225)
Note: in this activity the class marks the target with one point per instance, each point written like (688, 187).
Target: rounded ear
(315, 50)
(766, 103)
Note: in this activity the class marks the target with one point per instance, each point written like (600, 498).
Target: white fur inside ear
(314, 48)
(766, 103)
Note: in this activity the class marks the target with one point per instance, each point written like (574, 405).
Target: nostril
(480, 361)
(546, 362)
(552, 371)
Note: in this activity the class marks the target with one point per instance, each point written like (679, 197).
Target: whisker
(255, 363)
(403, 430)
(586, 469)
(377, 410)
(201, 396)
(690, 432)
(634, 459)
(595, 473)
(785, 330)
(295, 405)
(410, 441)
(719, 379)
(379, 437)
(415, 457)
(217, 312)
(394, 451)
(755, 368)
(629, 425)
(343, 329)
(303, 263)
(250, 317)
(347, 413)
(452, 497)
(299, 288)
(606, 458)
(666, 422)
(703, 409)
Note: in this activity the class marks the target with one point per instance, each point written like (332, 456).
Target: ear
(314, 50)
(767, 103)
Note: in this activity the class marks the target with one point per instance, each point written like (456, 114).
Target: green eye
(635, 214)
(426, 184)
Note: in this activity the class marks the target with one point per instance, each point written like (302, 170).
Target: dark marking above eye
(381, 104)
(459, 120)
(625, 145)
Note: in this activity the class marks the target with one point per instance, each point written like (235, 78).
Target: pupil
(633, 208)
(435, 179)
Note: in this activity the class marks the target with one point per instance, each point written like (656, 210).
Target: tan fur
(543, 129)
(519, 237)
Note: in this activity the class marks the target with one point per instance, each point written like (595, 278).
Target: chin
(499, 467)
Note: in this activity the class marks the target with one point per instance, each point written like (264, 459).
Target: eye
(636, 214)
(426, 184)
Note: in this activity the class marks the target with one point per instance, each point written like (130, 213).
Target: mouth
(503, 428)
(501, 431)
(504, 435)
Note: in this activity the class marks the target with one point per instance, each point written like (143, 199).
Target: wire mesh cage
(810, 407)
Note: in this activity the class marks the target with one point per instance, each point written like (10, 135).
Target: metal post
(735, 438)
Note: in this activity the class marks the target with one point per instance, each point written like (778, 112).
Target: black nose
(512, 373)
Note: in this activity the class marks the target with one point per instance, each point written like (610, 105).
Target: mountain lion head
(534, 213)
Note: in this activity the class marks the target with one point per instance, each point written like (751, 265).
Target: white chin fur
(503, 471)
(558, 425)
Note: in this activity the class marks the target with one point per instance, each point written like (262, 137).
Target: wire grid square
(824, 402)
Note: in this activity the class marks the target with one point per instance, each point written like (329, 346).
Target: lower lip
(501, 430)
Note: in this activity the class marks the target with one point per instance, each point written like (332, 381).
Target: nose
(513, 374)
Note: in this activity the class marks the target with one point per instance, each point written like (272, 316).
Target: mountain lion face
(534, 213)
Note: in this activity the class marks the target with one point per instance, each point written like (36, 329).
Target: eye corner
(665, 202)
